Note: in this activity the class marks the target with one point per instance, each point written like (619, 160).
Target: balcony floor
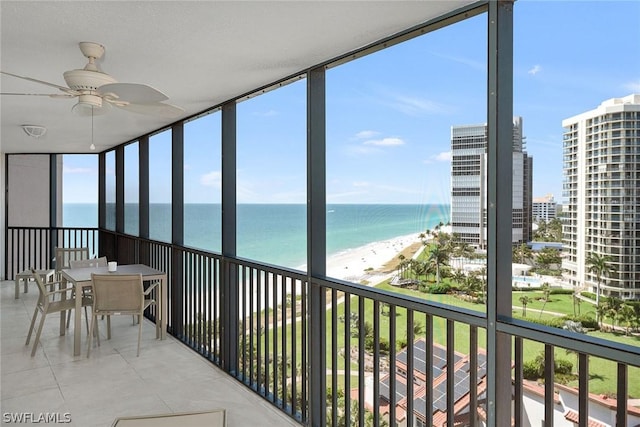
(167, 377)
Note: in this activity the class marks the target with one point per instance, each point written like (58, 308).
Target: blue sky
(389, 114)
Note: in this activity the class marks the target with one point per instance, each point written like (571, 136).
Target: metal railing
(34, 247)
(385, 358)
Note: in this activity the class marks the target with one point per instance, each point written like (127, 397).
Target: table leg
(77, 323)
(17, 290)
(63, 316)
(163, 308)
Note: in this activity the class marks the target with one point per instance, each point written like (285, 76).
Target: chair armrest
(150, 288)
(53, 282)
(60, 291)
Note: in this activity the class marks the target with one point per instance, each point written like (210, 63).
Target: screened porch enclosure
(321, 350)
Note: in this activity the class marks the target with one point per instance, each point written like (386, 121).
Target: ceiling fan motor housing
(82, 80)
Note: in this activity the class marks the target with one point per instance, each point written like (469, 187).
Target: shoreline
(363, 263)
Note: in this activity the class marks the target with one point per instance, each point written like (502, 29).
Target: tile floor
(113, 382)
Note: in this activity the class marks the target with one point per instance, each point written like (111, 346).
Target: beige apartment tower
(601, 212)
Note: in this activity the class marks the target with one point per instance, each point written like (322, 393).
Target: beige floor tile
(167, 377)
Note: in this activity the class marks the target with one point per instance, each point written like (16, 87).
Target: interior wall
(3, 237)
(59, 192)
(28, 190)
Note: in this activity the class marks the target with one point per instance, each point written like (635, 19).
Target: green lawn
(604, 382)
(560, 303)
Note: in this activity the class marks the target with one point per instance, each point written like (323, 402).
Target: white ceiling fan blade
(50, 95)
(133, 93)
(62, 88)
(154, 109)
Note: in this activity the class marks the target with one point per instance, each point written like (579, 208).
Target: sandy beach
(364, 263)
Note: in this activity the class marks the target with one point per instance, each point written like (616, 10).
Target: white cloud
(445, 156)
(69, 169)
(442, 157)
(385, 142)
(416, 106)
(477, 65)
(633, 86)
(268, 113)
(535, 70)
(365, 134)
(360, 184)
(211, 179)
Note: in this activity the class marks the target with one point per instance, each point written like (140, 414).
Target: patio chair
(48, 304)
(115, 294)
(64, 256)
(92, 262)
(84, 263)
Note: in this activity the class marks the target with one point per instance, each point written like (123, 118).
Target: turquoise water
(276, 233)
(526, 279)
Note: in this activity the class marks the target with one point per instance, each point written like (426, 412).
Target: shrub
(384, 346)
(401, 343)
(368, 343)
(526, 288)
(561, 291)
(532, 370)
(563, 367)
(441, 288)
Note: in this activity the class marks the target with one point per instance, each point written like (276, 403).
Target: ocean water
(275, 233)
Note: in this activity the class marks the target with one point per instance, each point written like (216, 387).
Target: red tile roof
(574, 418)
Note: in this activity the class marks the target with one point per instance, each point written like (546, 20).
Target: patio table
(26, 275)
(81, 278)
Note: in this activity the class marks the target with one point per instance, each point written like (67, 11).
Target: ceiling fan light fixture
(87, 105)
(34, 131)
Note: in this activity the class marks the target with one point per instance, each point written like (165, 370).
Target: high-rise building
(544, 208)
(469, 183)
(601, 214)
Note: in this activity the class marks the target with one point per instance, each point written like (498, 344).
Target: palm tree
(625, 316)
(402, 266)
(548, 256)
(524, 300)
(599, 265)
(576, 303)
(458, 277)
(601, 310)
(438, 256)
(612, 307)
(522, 252)
(546, 291)
(460, 248)
(472, 285)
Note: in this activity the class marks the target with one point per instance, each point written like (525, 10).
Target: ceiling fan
(97, 91)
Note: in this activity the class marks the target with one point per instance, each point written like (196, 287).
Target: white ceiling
(199, 53)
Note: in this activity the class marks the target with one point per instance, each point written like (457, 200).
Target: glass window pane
(389, 121)
(202, 182)
(160, 186)
(80, 190)
(271, 175)
(110, 182)
(131, 189)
